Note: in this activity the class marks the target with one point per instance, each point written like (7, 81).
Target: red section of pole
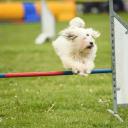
(33, 74)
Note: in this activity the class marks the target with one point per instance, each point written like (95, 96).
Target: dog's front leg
(89, 66)
(76, 66)
(69, 63)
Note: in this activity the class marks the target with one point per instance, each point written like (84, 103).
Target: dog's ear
(95, 34)
(69, 34)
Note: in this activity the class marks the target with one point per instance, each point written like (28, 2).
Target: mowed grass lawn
(59, 101)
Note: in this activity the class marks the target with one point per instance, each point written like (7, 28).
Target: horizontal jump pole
(52, 73)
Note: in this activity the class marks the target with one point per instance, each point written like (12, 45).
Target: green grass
(54, 102)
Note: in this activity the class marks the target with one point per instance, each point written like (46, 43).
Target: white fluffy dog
(76, 47)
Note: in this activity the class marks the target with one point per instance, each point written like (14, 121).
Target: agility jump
(53, 73)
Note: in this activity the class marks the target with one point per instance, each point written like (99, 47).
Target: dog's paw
(83, 74)
(80, 69)
(88, 71)
(75, 71)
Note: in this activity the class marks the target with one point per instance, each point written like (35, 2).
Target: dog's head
(81, 38)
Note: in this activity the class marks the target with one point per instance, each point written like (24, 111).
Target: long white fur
(74, 49)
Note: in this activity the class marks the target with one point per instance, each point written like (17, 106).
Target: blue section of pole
(2, 76)
(95, 71)
(99, 71)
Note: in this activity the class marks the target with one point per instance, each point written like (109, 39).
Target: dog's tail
(77, 22)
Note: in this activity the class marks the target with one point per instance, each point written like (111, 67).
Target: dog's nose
(91, 43)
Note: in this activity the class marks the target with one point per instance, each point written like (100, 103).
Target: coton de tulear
(76, 47)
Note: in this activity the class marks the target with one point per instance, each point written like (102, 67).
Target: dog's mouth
(90, 47)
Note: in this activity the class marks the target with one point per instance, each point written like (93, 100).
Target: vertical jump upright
(119, 44)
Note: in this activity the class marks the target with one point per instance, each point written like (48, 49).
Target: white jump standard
(119, 41)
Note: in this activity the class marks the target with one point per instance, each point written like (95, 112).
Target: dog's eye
(87, 34)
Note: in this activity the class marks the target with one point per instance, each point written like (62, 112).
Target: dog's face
(82, 38)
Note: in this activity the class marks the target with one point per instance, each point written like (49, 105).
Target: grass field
(54, 102)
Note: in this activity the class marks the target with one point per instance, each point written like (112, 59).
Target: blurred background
(30, 10)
